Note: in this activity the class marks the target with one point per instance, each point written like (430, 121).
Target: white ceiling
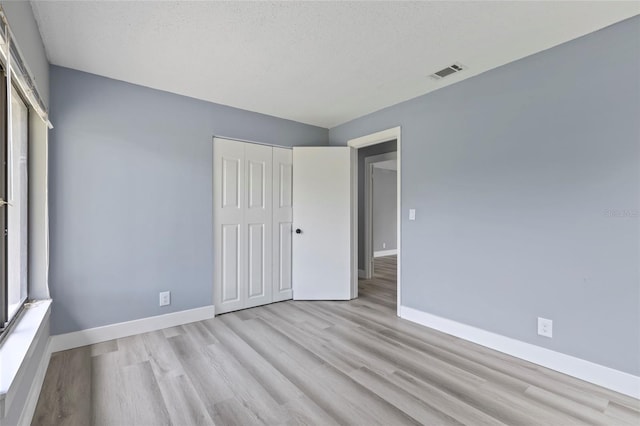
(321, 63)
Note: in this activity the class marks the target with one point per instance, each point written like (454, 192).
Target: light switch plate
(412, 214)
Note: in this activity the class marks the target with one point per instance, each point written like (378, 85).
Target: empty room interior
(319, 213)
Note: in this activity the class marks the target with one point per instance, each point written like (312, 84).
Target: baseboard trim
(382, 253)
(31, 401)
(606, 377)
(76, 339)
(361, 273)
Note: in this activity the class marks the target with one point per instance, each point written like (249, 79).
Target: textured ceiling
(321, 63)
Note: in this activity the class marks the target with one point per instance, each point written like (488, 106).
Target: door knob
(298, 231)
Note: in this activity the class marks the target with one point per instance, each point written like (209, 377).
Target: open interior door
(324, 252)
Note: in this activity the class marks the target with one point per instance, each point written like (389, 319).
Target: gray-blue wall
(514, 174)
(131, 196)
(385, 211)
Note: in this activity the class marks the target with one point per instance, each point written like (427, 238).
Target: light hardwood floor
(316, 363)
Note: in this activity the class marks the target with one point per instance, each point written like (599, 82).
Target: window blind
(18, 71)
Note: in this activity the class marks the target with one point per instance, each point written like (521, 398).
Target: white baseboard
(606, 377)
(29, 408)
(361, 273)
(382, 253)
(76, 339)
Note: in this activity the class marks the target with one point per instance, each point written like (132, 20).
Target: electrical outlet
(412, 214)
(384, 245)
(545, 327)
(165, 298)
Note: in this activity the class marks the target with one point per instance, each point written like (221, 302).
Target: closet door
(258, 223)
(230, 258)
(282, 220)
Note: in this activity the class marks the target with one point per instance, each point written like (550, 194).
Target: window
(14, 187)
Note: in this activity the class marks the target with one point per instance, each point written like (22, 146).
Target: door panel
(282, 226)
(322, 261)
(256, 262)
(285, 179)
(258, 222)
(228, 220)
(256, 183)
(230, 183)
(230, 263)
(284, 266)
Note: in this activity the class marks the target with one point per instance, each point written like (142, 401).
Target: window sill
(18, 347)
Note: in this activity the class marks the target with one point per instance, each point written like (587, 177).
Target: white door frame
(369, 163)
(361, 142)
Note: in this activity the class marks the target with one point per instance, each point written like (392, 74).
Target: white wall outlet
(384, 245)
(545, 327)
(165, 298)
(412, 214)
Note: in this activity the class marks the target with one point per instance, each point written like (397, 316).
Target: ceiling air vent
(451, 69)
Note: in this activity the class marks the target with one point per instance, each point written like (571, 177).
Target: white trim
(353, 208)
(600, 375)
(31, 401)
(375, 138)
(368, 207)
(30, 328)
(95, 335)
(361, 274)
(38, 234)
(372, 139)
(381, 253)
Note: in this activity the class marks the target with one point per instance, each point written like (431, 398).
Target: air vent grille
(451, 69)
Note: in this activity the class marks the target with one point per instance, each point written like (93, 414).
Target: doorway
(324, 184)
(360, 144)
(377, 197)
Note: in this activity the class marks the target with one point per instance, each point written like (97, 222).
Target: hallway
(382, 288)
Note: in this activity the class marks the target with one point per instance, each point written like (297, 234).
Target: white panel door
(258, 219)
(282, 222)
(228, 219)
(323, 260)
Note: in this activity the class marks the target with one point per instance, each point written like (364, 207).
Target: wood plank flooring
(315, 363)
